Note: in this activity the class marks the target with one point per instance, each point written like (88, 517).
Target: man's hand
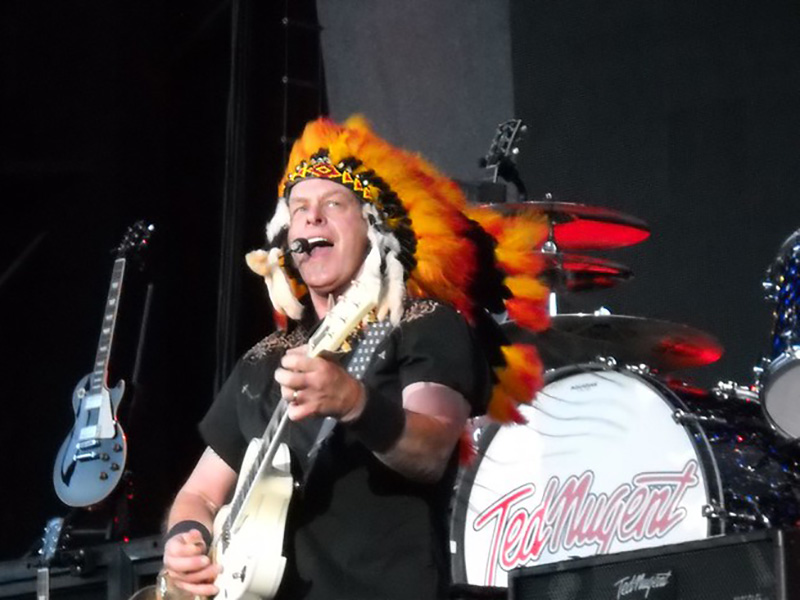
(316, 386)
(188, 566)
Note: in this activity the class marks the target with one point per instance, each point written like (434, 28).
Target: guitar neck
(268, 446)
(43, 583)
(100, 369)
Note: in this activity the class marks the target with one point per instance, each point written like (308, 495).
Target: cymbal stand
(550, 247)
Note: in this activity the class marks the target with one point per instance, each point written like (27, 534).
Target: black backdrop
(681, 114)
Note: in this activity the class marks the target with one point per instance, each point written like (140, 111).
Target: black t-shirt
(356, 528)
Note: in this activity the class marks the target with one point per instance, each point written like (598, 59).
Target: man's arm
(415, 439)
(207, 489)
(435, 416)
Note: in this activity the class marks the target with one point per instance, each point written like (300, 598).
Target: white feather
(279, 221)
(278, 286)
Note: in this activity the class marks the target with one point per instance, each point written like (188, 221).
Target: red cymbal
(576, 273)
(581, 227)
(581, 338)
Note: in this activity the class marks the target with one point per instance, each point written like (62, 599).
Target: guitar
(249, 532)
(91, 461)
(51, 541)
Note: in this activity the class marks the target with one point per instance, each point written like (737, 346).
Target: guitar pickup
(93, 401)
(82, 456)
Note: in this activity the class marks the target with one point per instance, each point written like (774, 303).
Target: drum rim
(780, 365)
(696, 435)
(784, 253)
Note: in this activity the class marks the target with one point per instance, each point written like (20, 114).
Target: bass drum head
(600, 467)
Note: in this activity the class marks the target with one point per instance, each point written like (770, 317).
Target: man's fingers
(297, 412)
(201, 589)
(300, 350)
(190, 543)
(289, 379)
(187, 564)
(205, 575)
(297, 362)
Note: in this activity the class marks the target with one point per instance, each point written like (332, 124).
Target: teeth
(316, 242)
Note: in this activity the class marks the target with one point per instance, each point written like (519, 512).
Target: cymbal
(577, 273)
(581, 227)
(579, 338)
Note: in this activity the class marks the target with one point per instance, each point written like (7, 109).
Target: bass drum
(613, 460)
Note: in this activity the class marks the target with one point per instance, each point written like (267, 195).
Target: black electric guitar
(91, 460)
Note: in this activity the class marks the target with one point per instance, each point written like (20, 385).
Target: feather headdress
(425, 242)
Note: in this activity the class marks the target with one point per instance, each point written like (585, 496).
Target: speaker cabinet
(762, 565)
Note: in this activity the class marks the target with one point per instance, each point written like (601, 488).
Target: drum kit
(617, 453)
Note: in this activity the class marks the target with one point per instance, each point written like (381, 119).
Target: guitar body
(91, 461)
(252, 558)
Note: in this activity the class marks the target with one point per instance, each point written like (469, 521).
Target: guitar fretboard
(98, 378)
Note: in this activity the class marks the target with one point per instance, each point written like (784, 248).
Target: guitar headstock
(51, 540)
(343, 317)
(136, 240)
(505, 146)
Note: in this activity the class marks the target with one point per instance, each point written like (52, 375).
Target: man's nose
(314, 214)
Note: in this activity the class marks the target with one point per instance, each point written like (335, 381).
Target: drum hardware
(681, 417)
(609, 361)
(711, 511)
(640, 369)
(730, 390)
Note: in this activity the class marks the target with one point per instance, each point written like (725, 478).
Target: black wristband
(188, 525)
(381, 422)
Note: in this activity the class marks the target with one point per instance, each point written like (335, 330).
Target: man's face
(320, 208)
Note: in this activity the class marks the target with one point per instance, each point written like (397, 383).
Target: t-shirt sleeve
(440, 347)
(220, 426)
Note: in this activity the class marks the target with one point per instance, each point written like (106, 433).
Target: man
(368, 517)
